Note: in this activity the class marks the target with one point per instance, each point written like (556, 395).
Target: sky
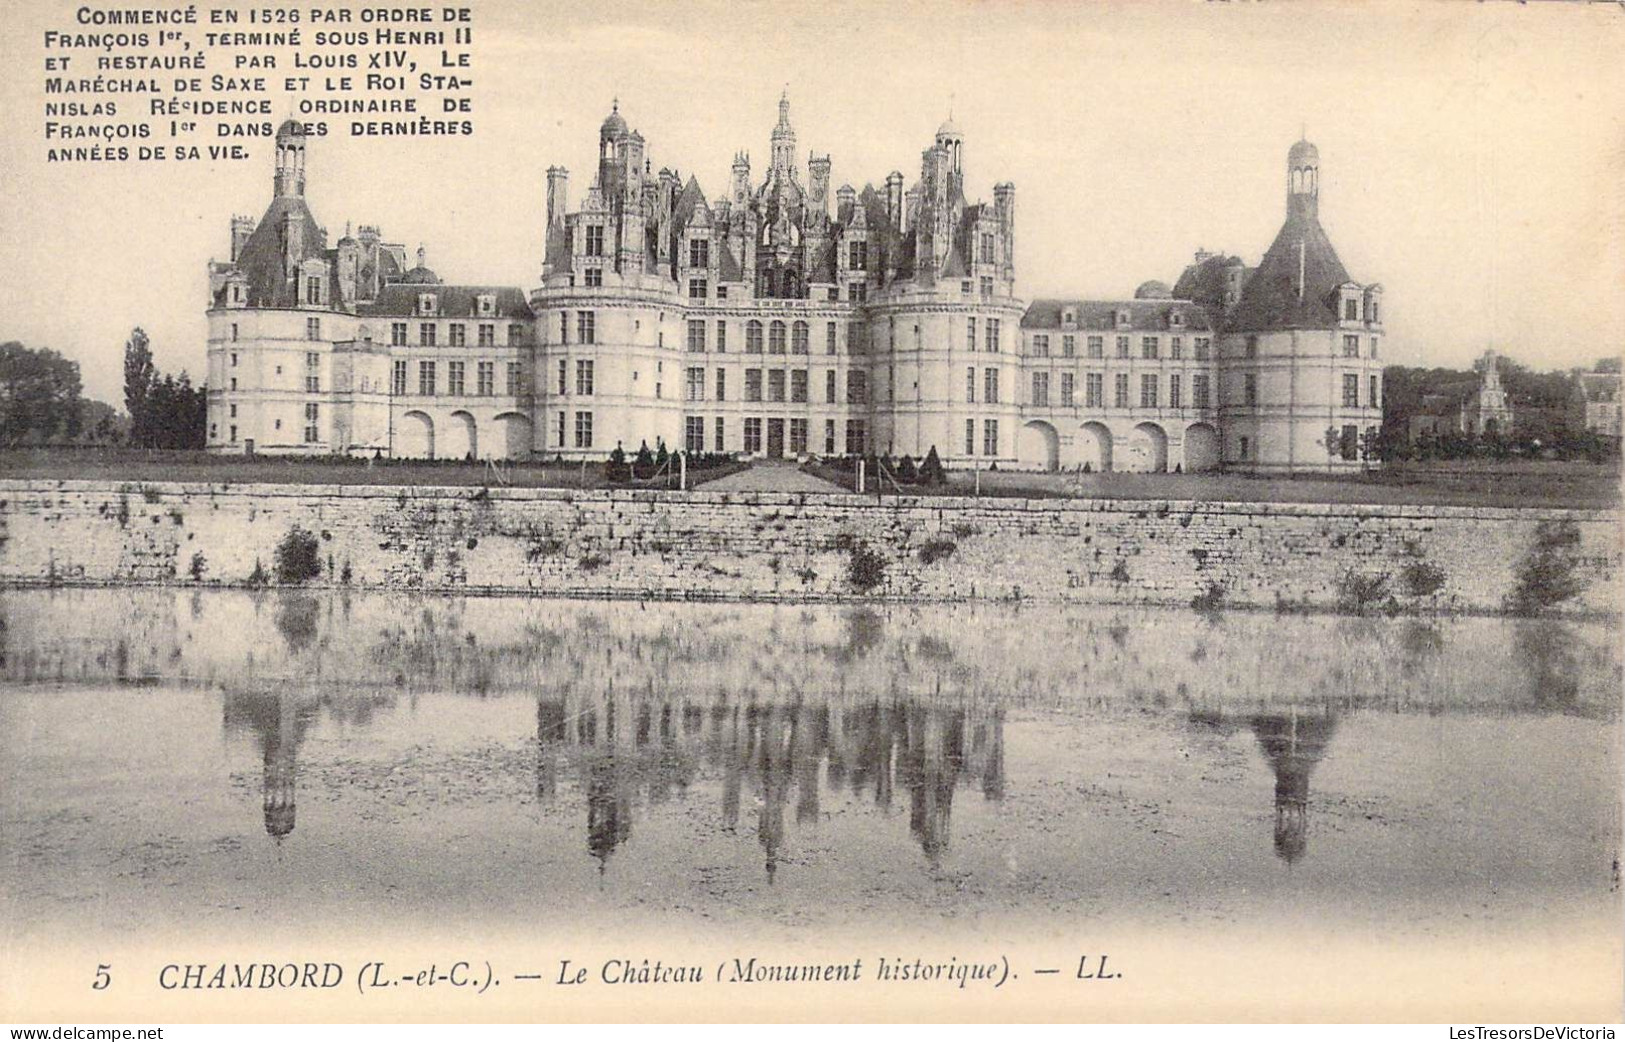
(1472, 155)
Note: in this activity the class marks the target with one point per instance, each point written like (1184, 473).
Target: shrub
(906, 470)
(931, 472)
(644, 465)
(1120, 571)
(298, 557)
(937, 550)
(1422, 578)
(617, 468)
(258, 577)
(592, 562)
(865, 569)
(200, 565)
(1546, 576)
(1358, 593)
(1210, 599)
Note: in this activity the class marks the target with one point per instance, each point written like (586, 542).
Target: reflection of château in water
(782, 755)
(278, 722)
(1292, 742)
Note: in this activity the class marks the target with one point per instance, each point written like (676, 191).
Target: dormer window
(486, 304)
(1351, 310)
(1176, 319)
(426, 303)
(1122, 319)
(1069, 318)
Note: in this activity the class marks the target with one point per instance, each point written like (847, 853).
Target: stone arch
(512, 438)
(1201, 448)
(414, 439)
(1095, 446)
(1148, 449)
(1038, 446)
(461, 439)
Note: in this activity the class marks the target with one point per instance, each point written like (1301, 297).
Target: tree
(39, 394)
(139, 377)
(931, 472)
(643, 466)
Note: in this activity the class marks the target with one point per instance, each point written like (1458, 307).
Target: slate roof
(261, 258)
(400, 300)
(1599, 387)
(1100, 316)
(1271, 299)
(1204, 281)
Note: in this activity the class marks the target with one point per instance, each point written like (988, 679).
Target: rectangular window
(694, 385)
(516, 379)
(1204, 347)
(987, 285)
(753, 385)
(722, 387)
(426, 334)
(564, 377)
(595, 240)
(775, 385)
(987, 248)
(799, 339)
(312, 413)
(753, 434)
(583, 430)
(517, 334)
(970, 334)
(313, 290)
(1093, 390)
(1122, 347)
(859, 292)
(721, 428)
(426, 378)
(694, 434)
(458, 333)
(722, 336)
(1250, 347)
(829, 437)
(1373, 347)
(722, 294)
(584, 376)
(798, 437)
(1041, 346)
(990, 437)
(313, 329)
(993, 334)
(1069, 346)
(829, 386)
(234, 359)
(696, 289)
(699, 253)
(857, 388)
(1249, 389)
(1174, 396)
(1351, 390)
(1041, 389)
(593, 278)
(829, 338)
(586, 327)
(1374, 399)
(696, 334)
(397, 334)
(1148, 347)
(856, 437)
(561, 433)
(488, 335)
(1349, 442)
(487, 377)
(1351, 346)
(857, 255)
(970, 437)
(798, 385)
(454, 378)
(970, 384)
(1068, 390)
(1148, 391)
(1351, 310)
(753, 337)
(775, 338)
(1176, 347)
(1120, 391)
(1201, 391)
(1095, 347)
(397, 380)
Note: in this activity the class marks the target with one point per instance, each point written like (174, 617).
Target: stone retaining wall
(775, 546)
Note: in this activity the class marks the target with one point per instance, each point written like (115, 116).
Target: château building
(786, 318)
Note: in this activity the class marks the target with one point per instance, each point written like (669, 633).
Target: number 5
(103, 978)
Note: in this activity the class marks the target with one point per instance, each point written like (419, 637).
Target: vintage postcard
(921, 511)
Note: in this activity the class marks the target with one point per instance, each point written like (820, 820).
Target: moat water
(171, 758)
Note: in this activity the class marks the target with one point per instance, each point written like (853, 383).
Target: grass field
(1486, 483)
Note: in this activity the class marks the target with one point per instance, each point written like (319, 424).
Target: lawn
(1473, 483)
